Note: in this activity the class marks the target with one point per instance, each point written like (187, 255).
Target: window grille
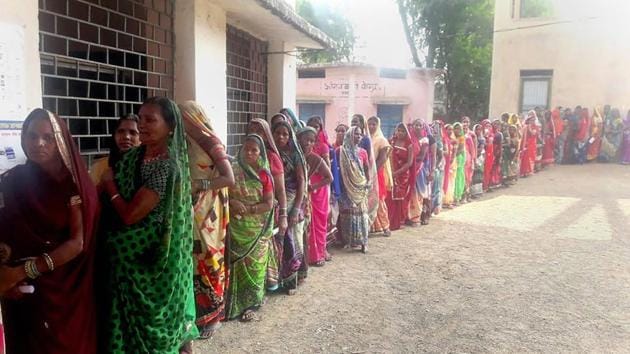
(100, 60)
(246, 84)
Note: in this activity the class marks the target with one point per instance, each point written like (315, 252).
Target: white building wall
(200, 59)
(25, 15)
(281, 76)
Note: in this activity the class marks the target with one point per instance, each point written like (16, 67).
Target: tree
(454, 35)
(335, 25)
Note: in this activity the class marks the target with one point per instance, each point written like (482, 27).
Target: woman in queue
(48, 214)
(150, 251)
(211, 176)
(382, 151)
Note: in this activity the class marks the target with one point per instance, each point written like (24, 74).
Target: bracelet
(282, 212)
(75, 200)
(114, 197)
(49, 262)
(30, 268)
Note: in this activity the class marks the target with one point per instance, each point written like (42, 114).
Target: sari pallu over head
(355, 183)
(211, 215)
(293, 159)
(152, 267)
(380, 142)
(34, 216)
(401, 186)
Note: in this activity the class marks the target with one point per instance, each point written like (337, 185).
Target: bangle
(114, 197)
(282, 212)
(49, 262)
(30, 268)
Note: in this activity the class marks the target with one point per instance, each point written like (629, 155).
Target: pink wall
(347, 90)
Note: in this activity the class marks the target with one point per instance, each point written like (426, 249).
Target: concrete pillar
(200, 59)
(281, 77)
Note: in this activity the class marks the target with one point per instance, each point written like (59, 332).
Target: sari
(60, 316)
(471, 155)
(448, 161)
(581, 138)
(292, 247)
(612, 137)
(496, 175)
(595, 143)
(549, 142)
(250, 236)
(510, 157)
(560, 135)
(489, 161)
(151, 275)
(354, 222)
(420, 200)
(367, 145)
(460, 174)
(625, 150)
(476, 188)
(210, 210)
(384, 180)
(449, 189)
(528, 155)
(438, 176)
(397, 202)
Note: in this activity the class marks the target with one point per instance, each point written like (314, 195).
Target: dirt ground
(543, 266)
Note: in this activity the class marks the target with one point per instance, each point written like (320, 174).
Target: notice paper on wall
(12, 94)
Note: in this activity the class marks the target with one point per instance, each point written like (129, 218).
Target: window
(307, 110)
(391, 115)
(311, 74)
(535, 89)
(536, 8)
(393, 73)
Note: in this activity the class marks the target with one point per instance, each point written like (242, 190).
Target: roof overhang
(274, 20)
(314, 99)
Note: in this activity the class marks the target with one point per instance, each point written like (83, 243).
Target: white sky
(380, 36)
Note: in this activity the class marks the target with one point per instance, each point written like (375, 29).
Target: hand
(238, 207)
(9, 277)
(283, 225)
(293, 219)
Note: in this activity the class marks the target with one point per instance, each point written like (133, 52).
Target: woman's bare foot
(208, 330)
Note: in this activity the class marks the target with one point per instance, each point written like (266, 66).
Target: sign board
(12, 94)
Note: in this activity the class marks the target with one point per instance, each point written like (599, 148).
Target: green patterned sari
(153, 308)
(250, 238)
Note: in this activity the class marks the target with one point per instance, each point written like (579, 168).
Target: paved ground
(543, 266)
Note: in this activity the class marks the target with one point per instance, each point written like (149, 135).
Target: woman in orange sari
(597, 128)
(211, 176)
(382, 150)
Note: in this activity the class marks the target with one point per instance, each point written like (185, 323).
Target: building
(92, 61)
(337, 91)
(552, 53)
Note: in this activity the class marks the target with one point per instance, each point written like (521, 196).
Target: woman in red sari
(48, 213)
(489, 163)
(401, 160)
(528, 156)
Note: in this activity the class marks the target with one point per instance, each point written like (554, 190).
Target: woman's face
(401, 133)
(356, 122)
(466, 123)
(307, 140)
(449, 131)
(356, 136)
(417, 128)
(478, 131)
(152, 127)
(341, 132)
(251, 152)
(277, 118)
(372, 125)
(281, 136)
(40, 143)
(314, 123)
(457, 130)
(512, 131)
(127, 135)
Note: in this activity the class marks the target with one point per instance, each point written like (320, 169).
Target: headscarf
(263, 163)
(293, 120)
(268, 138)
(321, 134)
(193, 113)
(306, 129)
(355, 182)
(293, 144)
(380, 142)
(513, 119)
(558, 123)
(271, 118)
(392, 140)
(583, 125)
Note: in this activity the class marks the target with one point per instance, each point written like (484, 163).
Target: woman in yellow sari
(382, 150)
(211, 175)
(597, 128)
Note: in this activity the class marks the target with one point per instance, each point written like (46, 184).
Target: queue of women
(168, 236)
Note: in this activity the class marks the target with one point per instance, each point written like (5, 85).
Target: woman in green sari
(250, 229)
(152, 303)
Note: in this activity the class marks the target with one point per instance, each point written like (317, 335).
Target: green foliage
(536, 8)
(454, 35)
(335, 25)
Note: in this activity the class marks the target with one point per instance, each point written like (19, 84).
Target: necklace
(161, 156)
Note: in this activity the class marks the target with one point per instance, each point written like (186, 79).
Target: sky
(381, 39)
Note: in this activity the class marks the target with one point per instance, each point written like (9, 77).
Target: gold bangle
(30, 268)
(114, 197)
(75, 200)
(49, 262)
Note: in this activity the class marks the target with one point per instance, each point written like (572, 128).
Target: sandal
(320, 263)
(186, 348)
(248, 316)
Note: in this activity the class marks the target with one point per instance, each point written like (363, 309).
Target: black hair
(114, 152)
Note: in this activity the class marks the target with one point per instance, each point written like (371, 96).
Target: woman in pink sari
(319, 177)
(489, 162)
(528, 145)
